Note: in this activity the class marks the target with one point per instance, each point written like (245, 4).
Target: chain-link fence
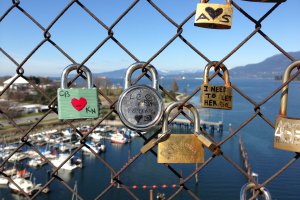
(116, 172)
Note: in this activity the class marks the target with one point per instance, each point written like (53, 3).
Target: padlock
(216, 96)
(266, 1)
(263, 192)
(140, 107)
(180, 148)
(287, 129)
(216, 16)
(77, 103)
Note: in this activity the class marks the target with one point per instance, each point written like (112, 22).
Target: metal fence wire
(117, 181)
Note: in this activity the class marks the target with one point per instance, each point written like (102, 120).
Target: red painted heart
(79, 104)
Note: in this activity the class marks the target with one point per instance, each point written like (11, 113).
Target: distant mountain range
(121, 73)
(269, 68)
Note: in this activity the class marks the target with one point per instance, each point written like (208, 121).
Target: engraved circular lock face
(140, 107)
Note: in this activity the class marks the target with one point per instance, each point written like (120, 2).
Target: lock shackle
(206, 1)
(223, 68)
(176, 104)
(285, 89)
(139, 65)
(68, 69)
(248, 186)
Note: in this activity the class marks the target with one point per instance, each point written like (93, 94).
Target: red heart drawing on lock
(79, 104)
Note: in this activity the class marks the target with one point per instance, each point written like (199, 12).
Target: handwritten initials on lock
(77, 103)
(140, 107)
(217, 16)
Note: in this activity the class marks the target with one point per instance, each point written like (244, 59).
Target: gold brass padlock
(215, 96)
(216, 16)
(180, 148)
(267, 1)
(287, 130)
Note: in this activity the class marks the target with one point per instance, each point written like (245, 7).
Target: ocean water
(218, 180)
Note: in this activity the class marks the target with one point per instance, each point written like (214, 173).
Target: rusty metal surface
(178, 35)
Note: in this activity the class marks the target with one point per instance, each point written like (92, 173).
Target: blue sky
(143, 31)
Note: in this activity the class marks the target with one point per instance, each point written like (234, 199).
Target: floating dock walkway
(212, 126)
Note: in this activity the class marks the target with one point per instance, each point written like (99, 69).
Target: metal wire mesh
(116, 173)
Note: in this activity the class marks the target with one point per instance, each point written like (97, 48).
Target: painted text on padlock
(77, 103)
(287, 134)
(287, 129)
(218, 16)
(216, 97)
(140, 106)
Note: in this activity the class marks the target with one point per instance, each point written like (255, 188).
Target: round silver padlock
(140, 107)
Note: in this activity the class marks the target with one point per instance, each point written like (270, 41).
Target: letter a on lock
(215, 16)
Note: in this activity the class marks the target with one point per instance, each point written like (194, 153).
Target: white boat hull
(26, 185)
(3, 181)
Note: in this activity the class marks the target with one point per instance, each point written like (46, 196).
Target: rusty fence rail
(16, 6)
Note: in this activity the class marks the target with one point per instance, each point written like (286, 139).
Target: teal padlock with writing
(77, 103)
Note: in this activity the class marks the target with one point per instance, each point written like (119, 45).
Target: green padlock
(77, 103)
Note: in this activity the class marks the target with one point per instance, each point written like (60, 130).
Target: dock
(250, 186)
(245, 157)
(212, 126)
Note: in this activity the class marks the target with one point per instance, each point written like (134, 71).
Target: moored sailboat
(26, 185)
(118, 138)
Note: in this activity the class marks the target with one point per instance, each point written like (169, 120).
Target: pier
(249, 188)
(211, 126)
(245, 158)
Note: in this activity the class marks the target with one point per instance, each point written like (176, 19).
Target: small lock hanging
(216, 96)
(215, 16)
(287, 129)
(140, 107)
(77, 103)
(180, 148)
(267, 1)
(249, 187)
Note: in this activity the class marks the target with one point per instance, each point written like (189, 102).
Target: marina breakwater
(15, 135)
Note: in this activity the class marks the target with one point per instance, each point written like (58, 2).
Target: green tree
(34, 79)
